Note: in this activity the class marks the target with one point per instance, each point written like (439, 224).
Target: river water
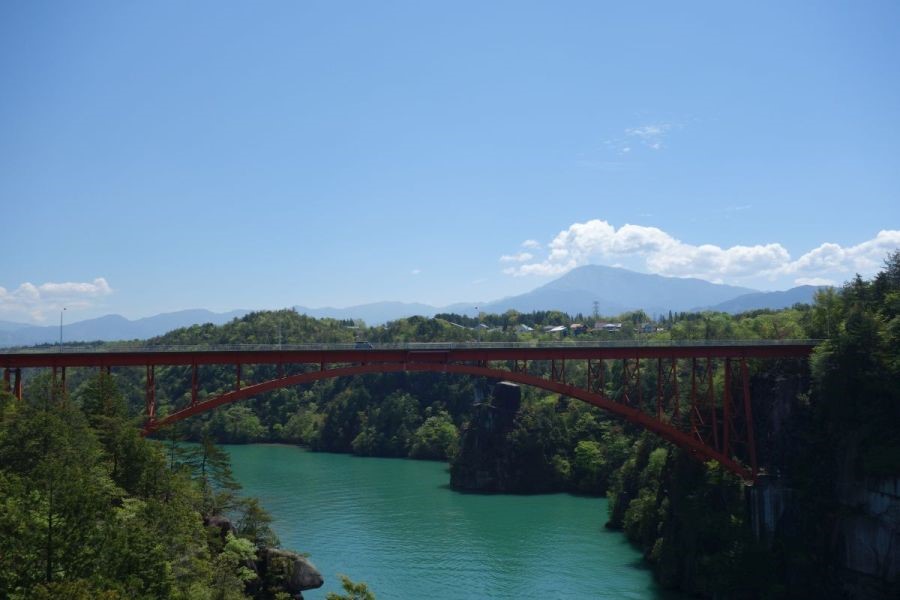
(396, 525)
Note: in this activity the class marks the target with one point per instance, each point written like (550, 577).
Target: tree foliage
(89, 509)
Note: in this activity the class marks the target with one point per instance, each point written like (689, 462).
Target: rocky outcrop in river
(277, 570)
(285, 571)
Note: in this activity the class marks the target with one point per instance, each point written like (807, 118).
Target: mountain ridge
(112, 327)
(613, 289)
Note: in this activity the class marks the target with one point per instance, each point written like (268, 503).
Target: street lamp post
(60, 328)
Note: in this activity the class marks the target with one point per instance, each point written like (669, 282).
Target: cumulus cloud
(34, 301)
(662, 253)
(534, 244)
(864, 258)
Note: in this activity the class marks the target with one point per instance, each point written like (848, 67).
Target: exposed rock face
(287, 571)
(223, 524)
(867, 537)
(767, 500)
(480, 463)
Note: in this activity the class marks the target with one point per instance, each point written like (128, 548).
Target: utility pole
(60, 328)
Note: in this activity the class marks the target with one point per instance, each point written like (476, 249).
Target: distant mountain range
(110, 327)
(618, 290)
(614, 290)
(773, 300)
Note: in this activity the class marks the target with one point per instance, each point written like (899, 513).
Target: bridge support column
(632, 394)
(676, 396)
(748, 415)
(63, 380)
(659, 390)
(558, 371)
(726, 411)
(697, 421)
(6, 382)
(151, 394)
(711, 403)
(17, 386)
(193, 384)
(595, 376)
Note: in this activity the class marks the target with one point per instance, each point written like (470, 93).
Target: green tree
(352, 591)
(211, 468)
(436, 439)
(589, 467)
(254, 523)
(230, 571)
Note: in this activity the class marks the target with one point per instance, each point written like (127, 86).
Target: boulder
(289, 571)
(223, 524)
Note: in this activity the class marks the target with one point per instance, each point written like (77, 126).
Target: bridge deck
(115, 355)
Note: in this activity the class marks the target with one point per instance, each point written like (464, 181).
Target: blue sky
(165, 155)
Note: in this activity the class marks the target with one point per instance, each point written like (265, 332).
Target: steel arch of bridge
(709, 424)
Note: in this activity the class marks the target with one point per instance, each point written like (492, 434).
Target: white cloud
(36, 300)
(520, 257)
(814, 281)
(531, 244)
(649, 132)
(661, 253)
(864, 258)
(650, 135)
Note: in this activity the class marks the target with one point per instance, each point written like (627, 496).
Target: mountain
(614, 290)
(617, 290)
(12, 326)
(110, 327)
(773, 300)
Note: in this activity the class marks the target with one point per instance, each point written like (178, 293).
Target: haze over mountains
(110, 327)
(615, 290)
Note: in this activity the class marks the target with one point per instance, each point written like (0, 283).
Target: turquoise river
(396, 525)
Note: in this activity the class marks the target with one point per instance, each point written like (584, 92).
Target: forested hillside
(89, 509)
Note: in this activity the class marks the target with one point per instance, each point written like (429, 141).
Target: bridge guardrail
(128, 347)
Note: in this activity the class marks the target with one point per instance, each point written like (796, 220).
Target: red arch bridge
(696, 395)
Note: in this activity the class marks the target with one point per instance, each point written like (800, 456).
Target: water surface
(397, 526)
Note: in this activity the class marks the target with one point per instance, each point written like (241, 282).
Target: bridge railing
(121, 347)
